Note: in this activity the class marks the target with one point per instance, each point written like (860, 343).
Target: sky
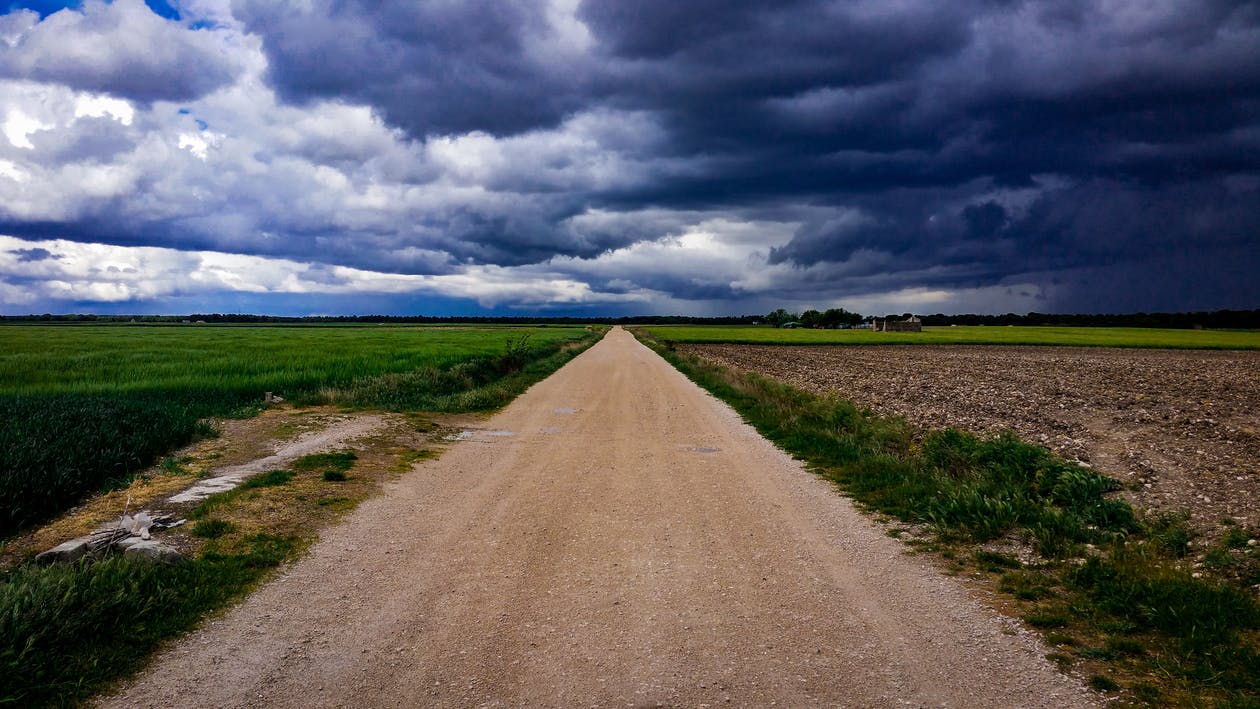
(604, 157)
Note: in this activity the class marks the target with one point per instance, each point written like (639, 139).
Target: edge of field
(1127, 337)
(71, 631)
(1038, 538)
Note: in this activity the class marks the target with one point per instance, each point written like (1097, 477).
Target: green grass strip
(68, 630)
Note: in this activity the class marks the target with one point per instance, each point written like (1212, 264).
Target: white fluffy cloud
(58, 270)
(239, 171)
(120, 47)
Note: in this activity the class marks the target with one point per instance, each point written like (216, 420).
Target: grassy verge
(1113, 589)
(69, 631)
(66, 631)
(969, 335)
(79, 420)
(478, 384)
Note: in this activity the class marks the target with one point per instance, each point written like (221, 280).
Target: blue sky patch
(43, 7)
(48, 7)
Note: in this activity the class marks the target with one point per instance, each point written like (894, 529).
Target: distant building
(912, 324)
(791, 325)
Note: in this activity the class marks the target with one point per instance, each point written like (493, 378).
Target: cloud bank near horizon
(1091, 155)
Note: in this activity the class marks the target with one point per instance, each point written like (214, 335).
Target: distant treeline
(1214, 320)
(1219, 319)
(221, 318)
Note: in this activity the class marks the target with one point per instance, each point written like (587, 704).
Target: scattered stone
(207, 487)
(72, 550)
(152, 550)
(123, 545)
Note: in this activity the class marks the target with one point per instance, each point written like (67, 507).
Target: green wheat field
(84, 407)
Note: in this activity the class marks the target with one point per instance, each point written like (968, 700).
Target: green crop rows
(84, 407)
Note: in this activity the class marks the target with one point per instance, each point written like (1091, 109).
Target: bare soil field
(1180, 428)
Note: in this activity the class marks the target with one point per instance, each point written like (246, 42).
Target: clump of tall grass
(332, 467)
(54, 448)
(67, 629)
(337, 462)
(468, 385)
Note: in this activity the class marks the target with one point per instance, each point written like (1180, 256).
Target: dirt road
(614, 537)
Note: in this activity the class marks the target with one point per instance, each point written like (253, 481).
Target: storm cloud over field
(629, 157)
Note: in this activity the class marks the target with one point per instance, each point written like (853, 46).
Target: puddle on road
(565, 411)
(550, 429)
(461, 436)
(500, 433)
(703, 449)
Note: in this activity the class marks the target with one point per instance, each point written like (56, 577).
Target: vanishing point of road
(614, 537)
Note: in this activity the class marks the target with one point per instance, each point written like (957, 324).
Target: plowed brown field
(1180, 426)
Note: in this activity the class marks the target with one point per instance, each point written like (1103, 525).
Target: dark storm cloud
(429, 67)
(811, 100)
(917, 144)
(721, 72)
(1094, 224)
(33, 255)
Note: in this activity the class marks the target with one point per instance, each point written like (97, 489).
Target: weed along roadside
(1113, 589)
(69, 630)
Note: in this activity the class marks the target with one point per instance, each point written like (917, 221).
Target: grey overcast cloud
(604, 157)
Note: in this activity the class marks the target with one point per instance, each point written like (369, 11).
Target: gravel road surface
(615, 537)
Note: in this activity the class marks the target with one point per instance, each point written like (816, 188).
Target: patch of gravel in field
(1181, 427)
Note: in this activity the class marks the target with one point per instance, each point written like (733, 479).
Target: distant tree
(835, 317)
(811, 318)
(780, 316)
